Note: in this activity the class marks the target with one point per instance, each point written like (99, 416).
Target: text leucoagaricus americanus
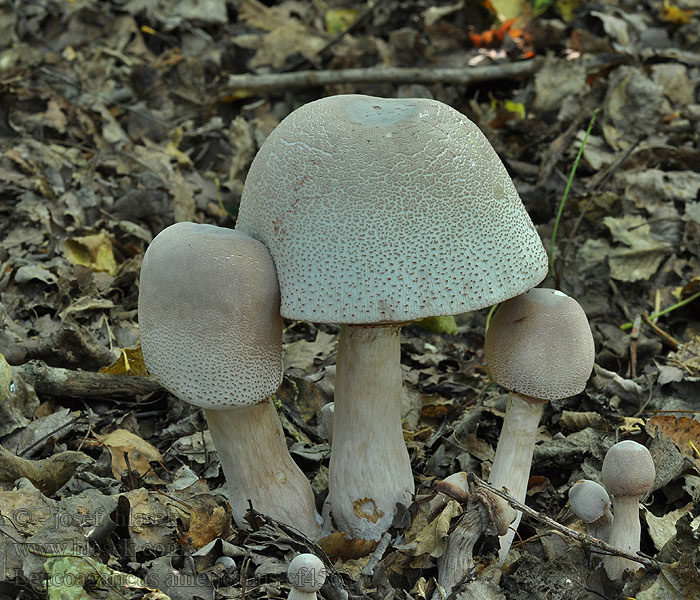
(628, 474)
(211, 333)
(539, 347)
(378, 212)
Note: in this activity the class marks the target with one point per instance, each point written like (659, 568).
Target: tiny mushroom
(306, 574)
(591, 503)
(539, 347)
(628, 473)
(455, 487)
(211, 334)
(327, 415)
(378, 212)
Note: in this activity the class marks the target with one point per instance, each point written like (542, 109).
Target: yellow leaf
(675, 14)
(339, 19)
(433, 539)
(5, 379)
(93, 251)
(138, 450)
(506, 9)
(515, 107)
(632, 425)
(172, 149)
(130, 362)
(567, 9)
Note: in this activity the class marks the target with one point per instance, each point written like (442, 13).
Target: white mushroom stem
(511, 465)
(370, 471)
(258, 467)
(601, 528)
(625, 535)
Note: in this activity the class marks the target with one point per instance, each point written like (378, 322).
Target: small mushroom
(327, 415)
(591, 503)
(378, 212)
(306, 574)
(628, 474)
(211, 334)
(453, 487)
(539, 346)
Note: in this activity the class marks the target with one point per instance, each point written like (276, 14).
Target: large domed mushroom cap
(539, 344)
(386, 210)
(211, 332)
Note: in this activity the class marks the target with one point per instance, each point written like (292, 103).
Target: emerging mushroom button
(377, 212)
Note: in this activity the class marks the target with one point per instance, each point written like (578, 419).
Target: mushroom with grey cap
(306, 574)
(211, 334)
(539, 347)
(378, 212)
(628, 473)
(591, 503)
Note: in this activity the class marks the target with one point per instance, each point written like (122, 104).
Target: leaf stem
(566, 191)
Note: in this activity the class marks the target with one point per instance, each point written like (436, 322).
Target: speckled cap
(539, 344)
(211, 332)
(628, 469)
(386, 210)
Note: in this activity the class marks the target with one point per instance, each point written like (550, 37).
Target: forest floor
(119, 118)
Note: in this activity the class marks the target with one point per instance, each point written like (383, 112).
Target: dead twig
(647, 561)
(666, 337)
(55, 381)
(308, 79)
(363, 18)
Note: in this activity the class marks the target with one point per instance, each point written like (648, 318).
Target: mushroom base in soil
(258, 467)
(513, 459)
(370, 470)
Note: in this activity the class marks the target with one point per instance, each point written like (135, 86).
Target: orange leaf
(683, 431)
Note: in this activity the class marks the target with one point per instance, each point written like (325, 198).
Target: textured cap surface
(588, 500)
(540, 344)
(211, 332)
(386, 210)
(628, 469)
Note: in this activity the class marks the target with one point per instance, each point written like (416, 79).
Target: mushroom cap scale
(539, 344)
(211, 332)
(387, 210)
(628, 469)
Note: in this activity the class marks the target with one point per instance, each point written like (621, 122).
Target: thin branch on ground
(308, 79)
(585, 539)
(363, 18)
(665, 336)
